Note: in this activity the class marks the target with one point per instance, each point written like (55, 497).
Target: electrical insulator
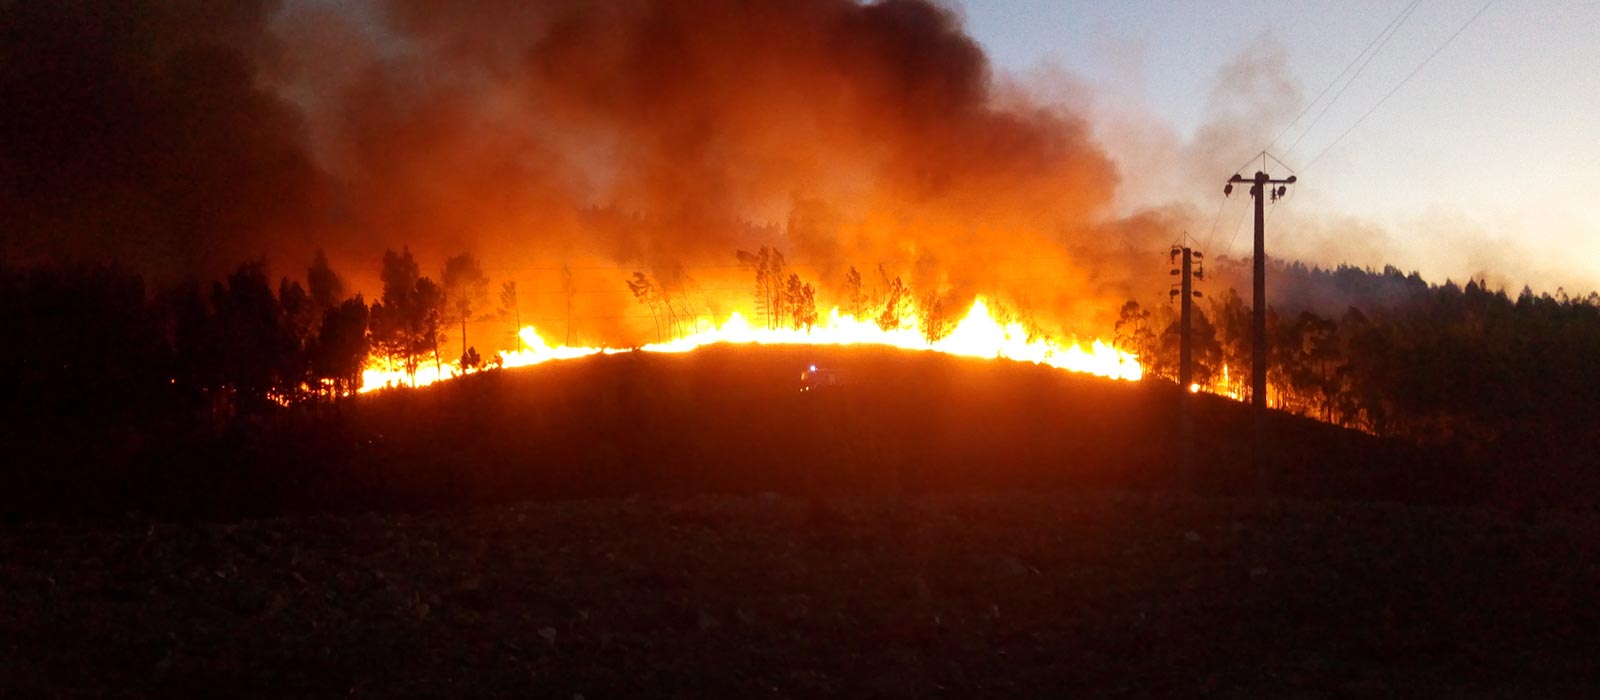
(1227, 190)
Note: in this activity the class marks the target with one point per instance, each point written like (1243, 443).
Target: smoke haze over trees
(179, 138)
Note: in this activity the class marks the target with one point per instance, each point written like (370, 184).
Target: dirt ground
(988, 595)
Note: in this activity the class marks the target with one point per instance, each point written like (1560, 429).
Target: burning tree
(1165, 357)
(645, 292)
(800, 301)
(854, 297)
(673, 286)
(768, 266)
(509, 307)
(466, 289)
(406, 321)
(936, 323)
(896, 301)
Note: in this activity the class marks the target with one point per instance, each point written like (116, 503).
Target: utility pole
(1187, 296)
(1185, 311)
(1261, 187)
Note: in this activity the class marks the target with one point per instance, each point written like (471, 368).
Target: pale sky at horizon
(1487, 161)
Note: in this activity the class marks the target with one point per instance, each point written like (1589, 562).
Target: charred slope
(735, 419)
(724, 419)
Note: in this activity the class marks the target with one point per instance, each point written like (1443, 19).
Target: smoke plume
(186, 136)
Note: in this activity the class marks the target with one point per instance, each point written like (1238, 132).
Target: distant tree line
(1438, 363)
(93, 340)
(201, 396)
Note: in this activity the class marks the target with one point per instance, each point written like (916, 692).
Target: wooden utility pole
(1187, 295)
(1186, 307)
(1261, 187)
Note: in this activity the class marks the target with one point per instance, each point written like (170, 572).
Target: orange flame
(979, 334)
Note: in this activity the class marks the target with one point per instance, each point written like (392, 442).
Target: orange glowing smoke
(979, 335)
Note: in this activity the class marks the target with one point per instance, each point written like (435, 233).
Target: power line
(1400, 20)
(1211, 236)
(1404, 13)
(1402, 83)
(1247, 163)
(1236, 228)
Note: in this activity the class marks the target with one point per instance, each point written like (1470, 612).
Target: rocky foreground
(1000, 595)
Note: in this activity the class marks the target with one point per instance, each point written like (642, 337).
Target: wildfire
(979, 334)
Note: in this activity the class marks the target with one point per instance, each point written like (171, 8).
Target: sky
(190, 136)
(1486, 163)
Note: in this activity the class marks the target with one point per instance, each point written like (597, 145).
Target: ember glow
(979, 334)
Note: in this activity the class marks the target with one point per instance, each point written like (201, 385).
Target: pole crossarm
(1261, 177)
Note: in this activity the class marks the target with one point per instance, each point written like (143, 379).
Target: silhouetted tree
(801, 302)
(430, 303)
(644, 291)
(855, 298)
(83, 342)
(1232, 322)
(1133, 333)
(672, 286)
(323, 283)
(896, 301)
(301, 319)
(256, 340)
(405, 322)
(466, 289)
(341, 349)
(471, 360)
(510, 308)
(769, 267)
(197, 348)
(936, 323)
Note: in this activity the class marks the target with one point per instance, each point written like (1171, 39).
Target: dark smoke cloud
(137, 131)
(653, 133)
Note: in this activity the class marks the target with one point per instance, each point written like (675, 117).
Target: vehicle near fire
(815, 378)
